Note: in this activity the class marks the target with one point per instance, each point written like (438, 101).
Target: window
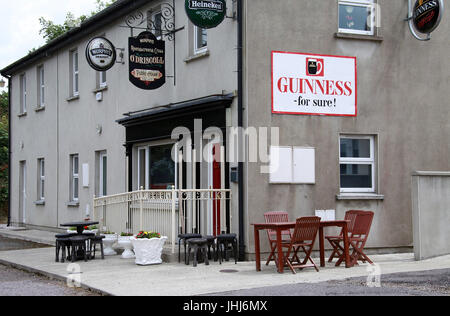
(74, 177)
(156, 169)
(74, 73)
(41, 179)
(102, 79)
(23, 94)
(41, 87)
(155, 22)
(200, 40)
(102, 173)
(357, 163)
(357, 17)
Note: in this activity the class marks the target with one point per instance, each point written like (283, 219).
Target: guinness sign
(147, 61)
(427, 15)
(100, 54)
(206, 14)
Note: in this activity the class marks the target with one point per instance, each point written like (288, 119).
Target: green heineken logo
(206, 13)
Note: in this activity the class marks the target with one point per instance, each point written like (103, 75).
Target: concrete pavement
(116, 276)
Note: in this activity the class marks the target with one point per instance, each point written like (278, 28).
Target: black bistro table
(81, 253)
(80, 225)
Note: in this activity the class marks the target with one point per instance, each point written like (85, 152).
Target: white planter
(148, 251)
(108, 243)
(125, 243)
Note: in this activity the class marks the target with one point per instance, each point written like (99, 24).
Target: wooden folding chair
(335, 241)
(276, 217)
(303, 238)
(358, 238)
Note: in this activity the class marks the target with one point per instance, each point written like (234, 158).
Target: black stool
(223, 241)
(211, 243)
(62, 243)
(78, 243)
(198, 244)
(185, 238)
(96, 240)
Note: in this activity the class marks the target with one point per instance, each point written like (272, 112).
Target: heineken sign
(206, 14)
(147, 61)
(100, 54)
(427, 15)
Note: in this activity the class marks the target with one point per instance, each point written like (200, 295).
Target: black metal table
(79, 225)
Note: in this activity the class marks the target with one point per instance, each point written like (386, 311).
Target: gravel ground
(423, 283)
(14, 282)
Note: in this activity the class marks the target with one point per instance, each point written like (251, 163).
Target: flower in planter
(126, 234)
(148, 235)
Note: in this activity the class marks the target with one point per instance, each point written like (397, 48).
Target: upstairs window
(41, 86)
(101, 79)
(74, 71)
(200, 40)
(23, 94)
(357, 17)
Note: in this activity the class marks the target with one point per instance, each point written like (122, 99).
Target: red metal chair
(276, 217)
(303, 238)
(336, 241)
(358, 238)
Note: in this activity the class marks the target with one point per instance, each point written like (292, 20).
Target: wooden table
(279, 227)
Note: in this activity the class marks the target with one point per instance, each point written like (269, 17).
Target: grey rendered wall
(431, 214)
(69, 127)
(403, 99)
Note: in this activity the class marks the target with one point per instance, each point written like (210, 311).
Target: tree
(49, 30)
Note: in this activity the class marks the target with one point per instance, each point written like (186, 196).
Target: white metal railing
(169, 212)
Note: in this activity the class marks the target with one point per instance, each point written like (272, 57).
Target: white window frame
(41, 179)
(197, 49)
(359, 3)
(23, 92)
(74, 177)
(146, 148)
(102, 79)
(153, 14)
(359, 161)
(41, 86)
(75, 66)
(103, 187)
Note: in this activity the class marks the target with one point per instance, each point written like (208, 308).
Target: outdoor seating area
(301, 235)
(78, 245)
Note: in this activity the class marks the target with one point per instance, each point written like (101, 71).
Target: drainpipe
(240, 125)
(9, 149)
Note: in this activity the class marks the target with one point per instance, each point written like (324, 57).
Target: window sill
(100, 89)
(374, 38)
(41, 202)
(73, 204)
(39, 108)
(359, 196)
(73, 98)
(22, 114)
(197, 56)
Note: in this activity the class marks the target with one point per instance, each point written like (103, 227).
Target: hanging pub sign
(100, 54)
(147, 61)
(206, 14)
(427, 15)
(311, 84)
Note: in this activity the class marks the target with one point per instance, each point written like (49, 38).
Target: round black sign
(427, 15)
(100, 54)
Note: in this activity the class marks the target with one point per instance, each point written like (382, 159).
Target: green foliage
(50, 30)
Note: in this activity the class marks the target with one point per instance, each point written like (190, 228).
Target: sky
(19, 26)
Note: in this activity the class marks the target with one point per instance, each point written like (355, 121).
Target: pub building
(353, 104)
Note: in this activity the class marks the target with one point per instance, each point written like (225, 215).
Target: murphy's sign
(311, 84)
(206, 14)
(100, 54)
(147, 61)
(427, 15)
